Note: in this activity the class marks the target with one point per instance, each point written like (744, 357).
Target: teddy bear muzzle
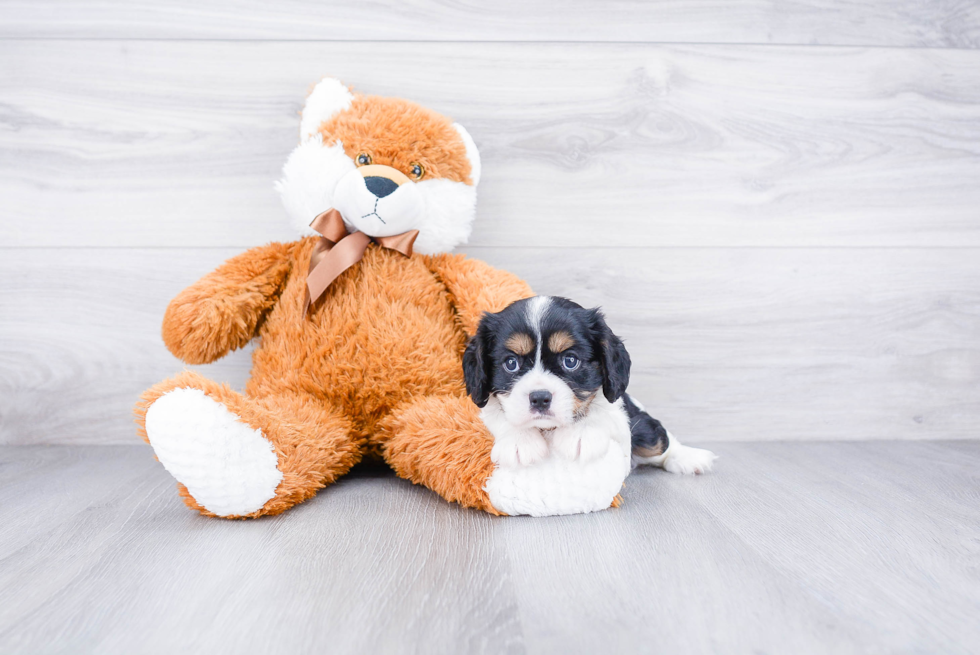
(378, 200)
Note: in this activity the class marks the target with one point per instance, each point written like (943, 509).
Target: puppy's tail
(653, 445)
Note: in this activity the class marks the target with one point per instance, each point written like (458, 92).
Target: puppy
(551, 378)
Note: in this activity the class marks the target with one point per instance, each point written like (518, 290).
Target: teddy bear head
(386, 164)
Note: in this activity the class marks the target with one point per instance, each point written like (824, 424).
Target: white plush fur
(679, 458)
(317, 176)
(228, 467)
(328, 97)
(377, 217)
(472, 154)
(582, 469)
(442, 210)
(448, 210)
(309, 178)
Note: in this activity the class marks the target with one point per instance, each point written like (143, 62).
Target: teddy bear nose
(380, 186)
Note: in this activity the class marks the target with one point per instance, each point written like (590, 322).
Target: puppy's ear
(476, 362)
(613, 357)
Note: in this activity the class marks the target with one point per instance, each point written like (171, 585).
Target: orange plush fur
(411, 134)
(375, 367)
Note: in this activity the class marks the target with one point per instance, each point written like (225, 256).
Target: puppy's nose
(380, 186)
(540, 400)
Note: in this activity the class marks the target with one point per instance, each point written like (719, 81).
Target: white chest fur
(582, 471)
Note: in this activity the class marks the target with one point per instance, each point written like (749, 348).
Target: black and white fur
(568, 403)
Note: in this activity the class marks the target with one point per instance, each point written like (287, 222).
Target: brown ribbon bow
(336, 251)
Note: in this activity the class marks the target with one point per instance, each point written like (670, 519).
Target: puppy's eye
(363, 159)
(511, 364)
(570, 362)
(416, 170)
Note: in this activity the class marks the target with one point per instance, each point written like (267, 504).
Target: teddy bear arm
(476, 287)
(221, 311)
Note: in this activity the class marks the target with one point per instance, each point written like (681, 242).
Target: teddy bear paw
(229, 467)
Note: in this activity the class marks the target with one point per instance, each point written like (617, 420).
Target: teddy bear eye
(417, 170)
(363, 159)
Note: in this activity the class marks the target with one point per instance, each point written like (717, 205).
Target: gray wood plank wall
(923, 23)
(777, 204)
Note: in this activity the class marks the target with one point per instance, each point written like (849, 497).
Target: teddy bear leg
(440, 442)
(235, 456)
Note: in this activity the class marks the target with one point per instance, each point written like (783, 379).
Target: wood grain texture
(786, 548)
(132, 570)
(727, 344)
(177, 143)
(945, 23)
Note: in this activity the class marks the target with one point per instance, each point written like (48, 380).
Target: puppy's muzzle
(540, 400)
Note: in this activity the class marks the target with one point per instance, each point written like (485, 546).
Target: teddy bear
(361, 324)
(362, 327)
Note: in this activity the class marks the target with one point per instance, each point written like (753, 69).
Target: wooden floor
(788, 548)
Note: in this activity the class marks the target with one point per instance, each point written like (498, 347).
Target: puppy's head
(544, 360)
(386, 164)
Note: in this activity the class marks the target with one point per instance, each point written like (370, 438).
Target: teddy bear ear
(329, 97)
(471, 153)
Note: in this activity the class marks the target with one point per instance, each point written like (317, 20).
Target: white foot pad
(556, 485)
(228, 467)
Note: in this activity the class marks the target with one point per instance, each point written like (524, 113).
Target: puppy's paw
(525, 450)
(689, 461)
(582, 448)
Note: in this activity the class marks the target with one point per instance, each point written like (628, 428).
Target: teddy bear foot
(229, 468)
